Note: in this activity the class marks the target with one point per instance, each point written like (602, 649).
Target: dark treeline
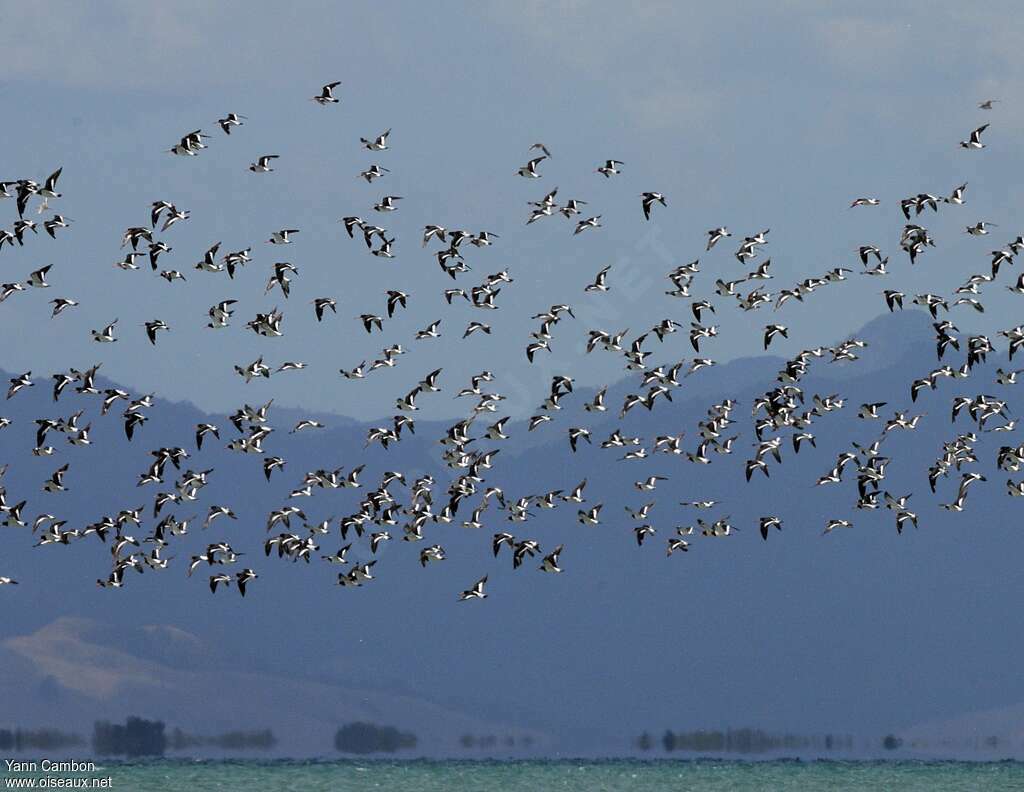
(262, 740)
(12, 740)
(364, 738)
(753, 741)
(744, 741)
(135, 737)
(140, 737)
(488, 741)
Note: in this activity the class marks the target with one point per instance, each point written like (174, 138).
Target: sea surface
(536, 776)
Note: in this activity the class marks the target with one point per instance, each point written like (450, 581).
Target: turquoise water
(536, 776)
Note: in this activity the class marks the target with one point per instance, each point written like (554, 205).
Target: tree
(364, 738)
(668, 740)
(137, 737)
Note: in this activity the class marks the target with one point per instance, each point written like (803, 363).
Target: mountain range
(782, 634)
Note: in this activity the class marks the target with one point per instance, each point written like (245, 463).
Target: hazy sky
(741, 117)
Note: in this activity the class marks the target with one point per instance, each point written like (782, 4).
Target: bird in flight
(474, 470)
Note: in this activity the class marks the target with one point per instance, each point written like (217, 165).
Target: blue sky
(744, 118)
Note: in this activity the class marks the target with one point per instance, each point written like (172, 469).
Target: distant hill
(78, 670)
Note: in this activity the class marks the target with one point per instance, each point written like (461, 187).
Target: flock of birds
(782, 416)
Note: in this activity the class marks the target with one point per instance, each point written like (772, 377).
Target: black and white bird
(600, 281)
(648, 199)
(326, 95)
(37, 279)
(152, 328)
(243, 578)
(230, 120)
(373, 172)
(321, 304)
(387, 203)
(550, 562)
(772, 330)
(980, 228)
(379, 143)
(106, 335)
(49, 190)
(529, 170)
(974, 141)
(832, 524)
(282, 237)
(262, 165)
(19, 382)
(957, 196)
(476, 591)
(767, 523)
(717, 234)
(61, 304)
(590, 222)
(55, 222)
(221, 579)
(56, 481)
